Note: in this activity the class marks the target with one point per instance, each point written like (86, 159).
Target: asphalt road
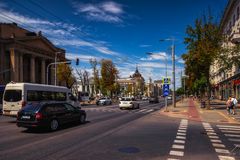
(112, 134)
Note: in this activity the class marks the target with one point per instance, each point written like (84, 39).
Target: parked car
(128, 102)
(153, 99)
(49, 115)
(104, 101)
(144, 98)
(169, 97)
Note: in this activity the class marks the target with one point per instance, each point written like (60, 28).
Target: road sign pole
(165, 91)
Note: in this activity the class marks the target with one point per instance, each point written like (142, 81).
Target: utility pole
(173, 73)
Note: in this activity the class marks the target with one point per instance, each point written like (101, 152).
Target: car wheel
(54, 125)
(82, 119)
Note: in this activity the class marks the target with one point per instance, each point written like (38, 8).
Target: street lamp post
(55, 64)
(173, 68)
(149, 53)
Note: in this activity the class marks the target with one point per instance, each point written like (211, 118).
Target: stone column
(21, 67)
(43, 71)
(2, 64)
(14, 65)
(32, 70)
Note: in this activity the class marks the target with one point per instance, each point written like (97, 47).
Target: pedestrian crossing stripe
(226, 126)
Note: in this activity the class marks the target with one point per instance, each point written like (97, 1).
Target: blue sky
(121, 30)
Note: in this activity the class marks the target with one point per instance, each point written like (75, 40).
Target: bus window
(13, 95)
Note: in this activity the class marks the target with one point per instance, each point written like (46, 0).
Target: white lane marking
(180, 137)
(222, 151)
(181, 130)
(211, 133)
(216, 141)
(234, 140)
(232, 135)
(209, 130)
(172, 159)
(218, 145)
(226, 126)
(226, 131)
(179, 141)
(149, 111)
(213, 137)
(142, 110)
(232, 129)
(225, 158)
(176, 153)
(181, 134)
(175, 146)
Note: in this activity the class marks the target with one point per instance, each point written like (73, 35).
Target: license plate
(25, 117)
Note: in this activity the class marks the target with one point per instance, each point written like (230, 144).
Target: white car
(128, 102)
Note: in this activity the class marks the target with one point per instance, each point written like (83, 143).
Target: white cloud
(59, 33)
(144, 45)
(82, 57)
(109, 11)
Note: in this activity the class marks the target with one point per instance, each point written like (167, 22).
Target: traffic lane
(198, 145)
(145, 138)
(12, 136)
(41, 145)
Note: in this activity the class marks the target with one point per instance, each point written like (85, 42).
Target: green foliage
(180, 91)
(65, 75)
(204, 45)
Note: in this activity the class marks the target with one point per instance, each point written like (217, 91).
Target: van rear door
(12, 101)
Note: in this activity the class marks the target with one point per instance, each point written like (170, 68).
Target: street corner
(175, 112)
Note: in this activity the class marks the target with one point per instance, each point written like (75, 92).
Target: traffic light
(77, 61)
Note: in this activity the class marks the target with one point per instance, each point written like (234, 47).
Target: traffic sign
(165, 90)
(166, 80)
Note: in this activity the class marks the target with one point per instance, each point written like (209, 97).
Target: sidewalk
(190, 109)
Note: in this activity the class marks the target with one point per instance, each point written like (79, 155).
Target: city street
(111, 133)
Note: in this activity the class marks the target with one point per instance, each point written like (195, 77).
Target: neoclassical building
(133, 85)
(25, 55)
(226, 83)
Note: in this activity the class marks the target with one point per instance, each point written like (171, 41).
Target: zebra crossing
(141, 111)
(232, 133)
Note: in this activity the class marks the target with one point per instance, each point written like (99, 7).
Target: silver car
(104, 101)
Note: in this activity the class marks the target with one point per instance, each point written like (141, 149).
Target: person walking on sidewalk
(229, 105)
(235, 102)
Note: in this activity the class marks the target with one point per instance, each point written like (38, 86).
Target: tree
(93, 63)
(204, 45)
(109, 74)
(83, 76)
(65, 75)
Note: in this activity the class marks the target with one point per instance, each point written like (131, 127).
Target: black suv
(49, 114)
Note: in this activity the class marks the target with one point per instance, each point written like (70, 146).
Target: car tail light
(23, 103)
(39, 116)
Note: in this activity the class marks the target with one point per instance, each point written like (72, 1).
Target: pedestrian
(235, 102)
(229, 105)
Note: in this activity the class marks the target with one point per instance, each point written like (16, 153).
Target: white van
(17, 95)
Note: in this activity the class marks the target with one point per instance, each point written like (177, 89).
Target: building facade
(133, 85)
(226, 83)
(25, 55)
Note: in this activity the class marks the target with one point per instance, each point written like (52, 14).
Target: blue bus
(2, 87)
